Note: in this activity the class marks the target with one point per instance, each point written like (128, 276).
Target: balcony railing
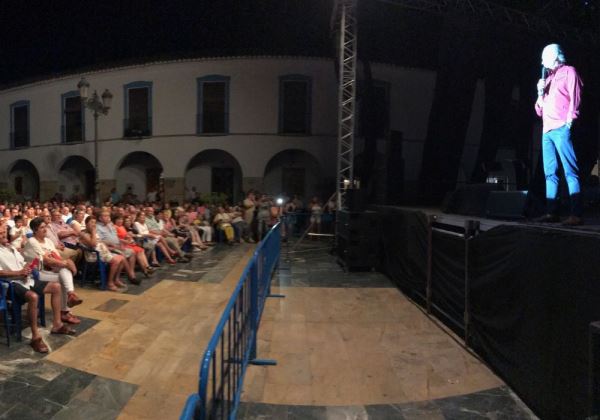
(137, 127)
(19, 139)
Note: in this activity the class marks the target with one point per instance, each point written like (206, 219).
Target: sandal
(155, 264)
(112, 288)
(69, 318)
(38, 345)
(73, 300)
(64, 330)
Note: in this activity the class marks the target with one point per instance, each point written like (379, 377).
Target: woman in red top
(128, 241)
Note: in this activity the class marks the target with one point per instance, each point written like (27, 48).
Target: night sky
(45, 38)
(54, 37)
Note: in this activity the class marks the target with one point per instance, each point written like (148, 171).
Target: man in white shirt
(66, 214)
(28, 290)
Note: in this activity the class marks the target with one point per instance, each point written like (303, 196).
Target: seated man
(107, 233)
(54, 267)
(64, 238)
(242, 229)
(222, 222)
(155, 226)
(28, 290)
(66, 214)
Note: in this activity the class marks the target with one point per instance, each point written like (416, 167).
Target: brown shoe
(573, 221)
(69, 318)
(38, 345)
(63, 330)
(73, 300)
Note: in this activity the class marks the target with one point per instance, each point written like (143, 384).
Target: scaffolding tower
(344, 20)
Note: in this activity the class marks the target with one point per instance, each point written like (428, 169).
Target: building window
(73, 118)
(213, 105)
(19, 125)
(294, 104)
(138, 109)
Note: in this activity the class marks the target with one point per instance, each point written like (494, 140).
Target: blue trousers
(558, 141)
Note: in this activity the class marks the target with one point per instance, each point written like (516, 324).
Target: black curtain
(533, 294)
(457, 73)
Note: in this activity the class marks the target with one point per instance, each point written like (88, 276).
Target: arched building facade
(216, 125)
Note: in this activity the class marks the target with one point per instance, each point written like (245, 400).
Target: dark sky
(43, 38)
(55, 36)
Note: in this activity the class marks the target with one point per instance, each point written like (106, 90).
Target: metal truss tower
(344, 17)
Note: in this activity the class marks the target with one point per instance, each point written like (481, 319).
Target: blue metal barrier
(233, 344)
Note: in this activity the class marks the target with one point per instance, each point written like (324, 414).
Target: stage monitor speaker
(469, 200)
(506, 204)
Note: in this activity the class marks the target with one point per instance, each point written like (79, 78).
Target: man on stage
(559, 96)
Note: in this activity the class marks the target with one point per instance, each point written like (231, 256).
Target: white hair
(557, 49)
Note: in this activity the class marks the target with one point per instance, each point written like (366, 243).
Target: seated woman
(153, 239)
(150, 250)
(128, 241)
(222, 222)
(89, 238)
(53, 267)
(184, 229)
(77, 224)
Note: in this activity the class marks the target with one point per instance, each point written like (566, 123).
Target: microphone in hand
(541, 85)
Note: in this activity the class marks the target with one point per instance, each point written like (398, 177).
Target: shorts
(20, 290)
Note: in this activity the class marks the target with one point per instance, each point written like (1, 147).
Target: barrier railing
(232, 346)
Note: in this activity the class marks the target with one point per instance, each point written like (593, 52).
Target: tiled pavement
(32, 387)
(309, 268)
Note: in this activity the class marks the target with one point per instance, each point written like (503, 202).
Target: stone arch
(137, 174)
(294, 172)
(24, 180)
(76, 178)
(214, 171)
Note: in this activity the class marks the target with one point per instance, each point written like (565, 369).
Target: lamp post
(97, 106)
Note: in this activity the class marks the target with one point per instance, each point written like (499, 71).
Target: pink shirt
(562, 96)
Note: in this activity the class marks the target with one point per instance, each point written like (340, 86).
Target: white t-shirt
(35, 248)
(12, 260)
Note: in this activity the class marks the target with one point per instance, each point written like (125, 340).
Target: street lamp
(98, 107)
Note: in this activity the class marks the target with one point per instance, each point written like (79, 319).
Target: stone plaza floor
(348, 346)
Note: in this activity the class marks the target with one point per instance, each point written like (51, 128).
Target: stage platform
(591, 225)
(523, 295)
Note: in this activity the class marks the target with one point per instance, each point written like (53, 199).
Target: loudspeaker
(395, 169)
(506, 204)
(356, 200)
(469, 200)
(357, 239)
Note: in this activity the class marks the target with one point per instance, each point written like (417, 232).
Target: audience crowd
(43, 245)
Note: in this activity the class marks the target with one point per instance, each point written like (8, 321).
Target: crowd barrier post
(233, 345)
(253, 308)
